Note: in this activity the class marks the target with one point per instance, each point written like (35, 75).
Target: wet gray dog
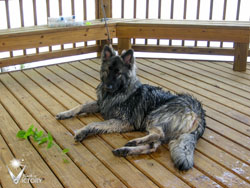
(128, 105)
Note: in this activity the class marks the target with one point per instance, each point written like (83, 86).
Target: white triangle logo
(17, 178)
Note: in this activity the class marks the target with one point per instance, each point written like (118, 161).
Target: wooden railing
(49, 9)
(228, 9)
(91, 9)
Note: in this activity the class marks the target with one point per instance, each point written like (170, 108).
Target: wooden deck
(35, 96)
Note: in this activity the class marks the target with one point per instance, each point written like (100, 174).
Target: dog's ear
(107, 53)
(128, 57)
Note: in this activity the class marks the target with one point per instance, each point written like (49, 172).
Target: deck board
(35, 96)
(81, 155)
(7, 156)
(212, 123)
(70, 178)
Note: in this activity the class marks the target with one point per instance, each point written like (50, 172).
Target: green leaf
(43, 140)
(36, 139)
(65, 161)
(38, 135)
(66, 150)
(50, 144)
(50, 138)
(30, 128)
(28, 133)
(21, 134)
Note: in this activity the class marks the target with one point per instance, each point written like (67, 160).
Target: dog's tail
(182, 151)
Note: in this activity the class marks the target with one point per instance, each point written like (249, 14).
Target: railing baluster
(85, 10)
(198, 9)
(7, 13)
(34, 12)
(60, 14)
(171, 17)
(224, 10)
(48, 15)
(135, 7)
(211, 9)
(159, 16)
(73, 13)
(111, 16)
(184, 17)
(197, 16)
(35, 18)
(122, 7)
(21, 12)
(147, 13)
(73, 7)
(172, 10)
(224, 16)
(85, 16)
(60, 7)
(122, 10)
(238, 10)
(185, 10)
(159, 8)
(210, 16)
(8, 19)
(22, 18)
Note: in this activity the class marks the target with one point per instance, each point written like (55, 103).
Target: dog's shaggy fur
(128, 105)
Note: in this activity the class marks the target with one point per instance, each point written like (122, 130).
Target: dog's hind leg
(136, 150)
(108, 126)
(91, 107)
(155, 133)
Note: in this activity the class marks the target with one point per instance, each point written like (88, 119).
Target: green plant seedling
(38, 136)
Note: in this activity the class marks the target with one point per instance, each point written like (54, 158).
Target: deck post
(123, 44)
(240, 56)
(99, 15)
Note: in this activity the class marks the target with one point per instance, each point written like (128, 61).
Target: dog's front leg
(108, 126)
(91, 107)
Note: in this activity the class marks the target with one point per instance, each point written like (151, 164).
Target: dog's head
(116, 71)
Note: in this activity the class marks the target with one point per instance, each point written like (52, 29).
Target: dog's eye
(116, 71)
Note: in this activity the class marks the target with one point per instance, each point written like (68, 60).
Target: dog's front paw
(59, 116)
(81, 135)
(122, 152)
(62, 116)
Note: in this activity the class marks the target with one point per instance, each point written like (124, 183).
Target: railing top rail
(134, 22)
(45, 29)
(188, 23)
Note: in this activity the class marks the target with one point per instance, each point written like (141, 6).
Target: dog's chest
(111, 108)
(134, 108)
